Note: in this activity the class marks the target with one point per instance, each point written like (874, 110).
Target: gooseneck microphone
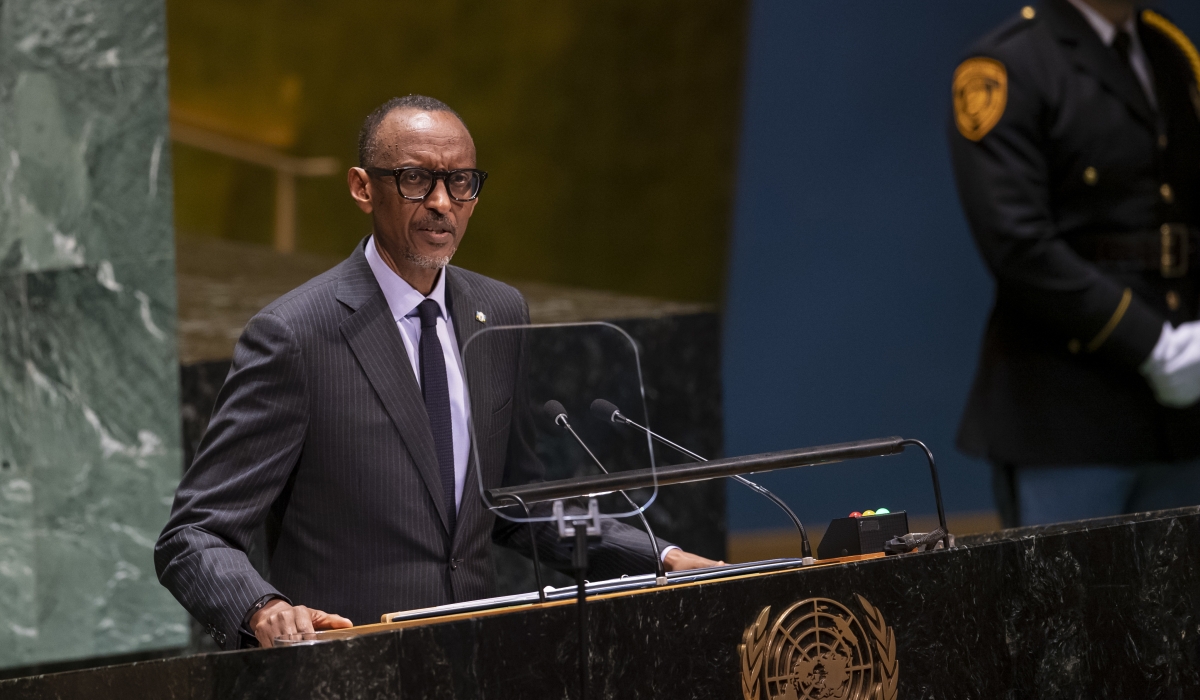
(609, 413)
(556, 411)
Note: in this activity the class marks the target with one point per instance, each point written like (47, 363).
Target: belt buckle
(1173, 259)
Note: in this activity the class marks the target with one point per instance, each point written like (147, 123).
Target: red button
(856, 514)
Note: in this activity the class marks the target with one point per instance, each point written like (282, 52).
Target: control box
(861, 535)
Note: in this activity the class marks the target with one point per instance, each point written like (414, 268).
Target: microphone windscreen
(604, 410)
(555, 409)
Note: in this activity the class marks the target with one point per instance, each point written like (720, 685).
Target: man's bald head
(368, 136)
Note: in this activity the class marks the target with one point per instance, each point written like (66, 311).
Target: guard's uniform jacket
(1084, 200)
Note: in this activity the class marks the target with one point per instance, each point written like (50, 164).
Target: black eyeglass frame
(436, 175)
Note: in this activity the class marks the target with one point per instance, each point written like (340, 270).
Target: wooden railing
(287, 168)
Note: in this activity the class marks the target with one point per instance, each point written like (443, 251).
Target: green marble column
(89, 398)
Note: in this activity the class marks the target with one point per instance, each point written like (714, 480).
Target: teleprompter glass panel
(517, 441)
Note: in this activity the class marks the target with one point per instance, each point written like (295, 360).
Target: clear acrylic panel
(517, 441)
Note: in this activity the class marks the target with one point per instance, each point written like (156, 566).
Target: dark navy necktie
(436, 390)
(1123, 45)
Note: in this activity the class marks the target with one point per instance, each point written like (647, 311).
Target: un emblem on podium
(818, 650)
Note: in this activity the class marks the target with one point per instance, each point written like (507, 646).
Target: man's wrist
(668, 549)
(258, 605)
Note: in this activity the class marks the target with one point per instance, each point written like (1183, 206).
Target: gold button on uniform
(1162, 142)
(1073, 346)
(1173, 300)
(1028, 12)
(1167, 193)
(1090, 176)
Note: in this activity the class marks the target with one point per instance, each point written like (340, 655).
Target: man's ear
(360, 189)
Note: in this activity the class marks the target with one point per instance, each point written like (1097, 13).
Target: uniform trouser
(1039, 495)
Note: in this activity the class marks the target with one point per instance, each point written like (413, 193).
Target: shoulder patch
(1176, 35)
(980, 96)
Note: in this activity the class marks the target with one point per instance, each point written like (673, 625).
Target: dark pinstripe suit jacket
(320, 431)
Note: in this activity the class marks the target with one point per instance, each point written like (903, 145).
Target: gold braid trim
(1112, 322)
(1176, 35)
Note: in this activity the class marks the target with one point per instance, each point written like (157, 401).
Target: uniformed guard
(1076, 147)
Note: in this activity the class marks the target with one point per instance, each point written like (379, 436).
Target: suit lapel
(1090, 54)
(373, 337)
(463, 306)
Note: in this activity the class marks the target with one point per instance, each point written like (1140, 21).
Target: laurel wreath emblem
(885, 651)
(753, 650)
(755, 641)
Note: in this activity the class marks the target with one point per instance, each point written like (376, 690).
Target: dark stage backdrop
(609, 129)
(856, 298)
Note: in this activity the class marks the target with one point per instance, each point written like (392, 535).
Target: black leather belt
(1168, 249)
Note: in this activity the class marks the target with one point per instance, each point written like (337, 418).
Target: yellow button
(1090, 176)
(1173, 300)
(1028, 12)
(1073, 346)
(1167, 193)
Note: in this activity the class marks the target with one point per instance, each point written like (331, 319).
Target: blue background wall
(856, 298)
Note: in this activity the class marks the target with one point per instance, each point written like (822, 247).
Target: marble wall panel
(89, 434)
(18, 632)
(84, 157)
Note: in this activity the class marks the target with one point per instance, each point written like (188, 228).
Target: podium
(1101, 608)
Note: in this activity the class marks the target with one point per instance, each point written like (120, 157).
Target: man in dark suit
(1076, 146)
(343, 423)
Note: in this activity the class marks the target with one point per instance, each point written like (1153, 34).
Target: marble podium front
(1099, 609)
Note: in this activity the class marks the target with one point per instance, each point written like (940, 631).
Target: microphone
(556, 411)
(609, 413)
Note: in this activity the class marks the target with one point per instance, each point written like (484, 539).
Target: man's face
(422, 233)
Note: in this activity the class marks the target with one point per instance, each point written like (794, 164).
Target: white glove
(1173, 368)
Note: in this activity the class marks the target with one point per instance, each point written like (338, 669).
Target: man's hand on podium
(277, 618)
(678, 560)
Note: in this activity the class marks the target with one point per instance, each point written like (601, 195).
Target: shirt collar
(1100, 23)
(402, 299)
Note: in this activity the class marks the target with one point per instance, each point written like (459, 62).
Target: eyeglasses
(415, 184)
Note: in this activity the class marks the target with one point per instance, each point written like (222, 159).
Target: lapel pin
(481, 317)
